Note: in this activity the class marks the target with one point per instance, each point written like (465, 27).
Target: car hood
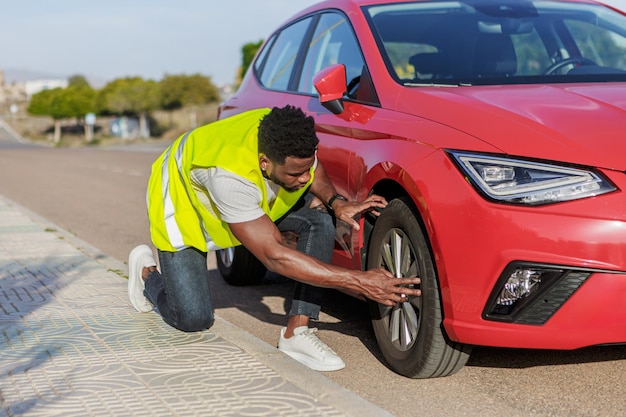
(577, 123)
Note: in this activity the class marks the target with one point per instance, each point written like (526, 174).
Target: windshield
(499, 41)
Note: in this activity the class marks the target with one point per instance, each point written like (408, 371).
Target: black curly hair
(287, 131)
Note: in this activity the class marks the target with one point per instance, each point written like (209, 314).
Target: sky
(108, 39)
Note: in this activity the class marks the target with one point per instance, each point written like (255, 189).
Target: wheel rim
(227, 256)
(397, 255)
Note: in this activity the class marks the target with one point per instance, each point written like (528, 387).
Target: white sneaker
(307, 349)
(141, 257)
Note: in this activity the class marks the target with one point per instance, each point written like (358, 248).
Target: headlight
(517, 181)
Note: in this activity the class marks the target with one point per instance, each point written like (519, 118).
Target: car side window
(276, 66)
(332, 43)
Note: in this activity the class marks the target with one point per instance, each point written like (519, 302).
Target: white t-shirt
(237, 199)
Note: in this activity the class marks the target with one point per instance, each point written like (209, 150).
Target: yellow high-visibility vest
(177, 218)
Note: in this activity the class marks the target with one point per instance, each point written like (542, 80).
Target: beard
(280, 183)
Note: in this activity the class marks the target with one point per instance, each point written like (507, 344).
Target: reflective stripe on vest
(173, 232)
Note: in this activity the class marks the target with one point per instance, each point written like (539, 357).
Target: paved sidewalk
(72, 345)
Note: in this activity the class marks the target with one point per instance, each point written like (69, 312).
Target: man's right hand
(381, 286)
(264, 240)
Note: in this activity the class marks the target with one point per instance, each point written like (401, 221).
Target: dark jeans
(181, 290)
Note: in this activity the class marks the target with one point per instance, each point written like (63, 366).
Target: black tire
(410, 335)
(239, 267)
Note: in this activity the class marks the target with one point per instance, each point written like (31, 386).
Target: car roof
(339, 3)
(347, 5)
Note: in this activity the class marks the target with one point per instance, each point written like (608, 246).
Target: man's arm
(263, 239)
(321, 186)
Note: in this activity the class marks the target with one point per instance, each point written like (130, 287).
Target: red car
(496, 129)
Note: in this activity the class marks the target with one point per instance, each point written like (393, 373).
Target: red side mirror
(330, 83)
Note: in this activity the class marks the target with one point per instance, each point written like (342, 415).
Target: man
(244, 180)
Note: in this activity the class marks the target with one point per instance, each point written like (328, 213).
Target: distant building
(11, 93)
(35, 86)
(21, 92)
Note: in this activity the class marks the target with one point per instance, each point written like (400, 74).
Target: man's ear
(263, 161)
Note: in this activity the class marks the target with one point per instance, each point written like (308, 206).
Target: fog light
(531, 293)
(520, 284)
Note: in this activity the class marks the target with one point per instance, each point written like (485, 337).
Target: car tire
(239, 267)
(410, 334)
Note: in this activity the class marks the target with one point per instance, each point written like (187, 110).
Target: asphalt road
(98, 194)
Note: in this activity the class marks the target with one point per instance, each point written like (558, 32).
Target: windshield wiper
(438, 84)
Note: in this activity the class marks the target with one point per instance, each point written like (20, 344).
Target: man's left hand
(347, 211)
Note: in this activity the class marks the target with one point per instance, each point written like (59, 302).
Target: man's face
(292, 175)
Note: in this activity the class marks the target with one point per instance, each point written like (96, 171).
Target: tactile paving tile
(71, 345)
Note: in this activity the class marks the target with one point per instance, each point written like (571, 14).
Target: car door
(333, 42)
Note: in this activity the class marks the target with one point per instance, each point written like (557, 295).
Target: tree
(131, 96)
(81, 100)
(182, 90)
(62, 103)
(41, 105)
(178, 91)
(248, 51)
(78, 81)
